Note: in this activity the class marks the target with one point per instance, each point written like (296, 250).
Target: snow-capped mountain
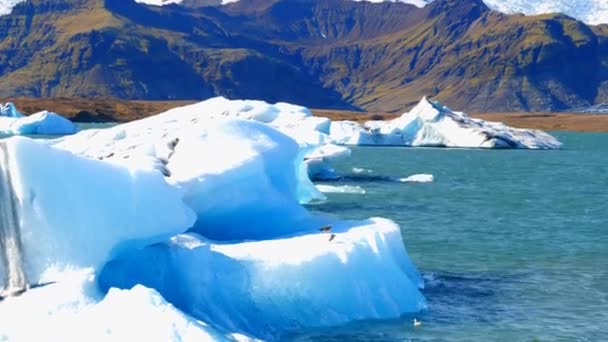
(590, 11)
(7, 5)
(417, 3)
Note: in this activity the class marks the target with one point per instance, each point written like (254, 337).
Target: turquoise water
(513, 244)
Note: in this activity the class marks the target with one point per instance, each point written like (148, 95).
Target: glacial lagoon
(513, 244)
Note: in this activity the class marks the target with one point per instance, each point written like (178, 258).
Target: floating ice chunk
(43, 123)
(359, 170)
(9, 110)
(419, 178)
(342, 189)
(266, 288)
(319, 160)
(46, 123)
(434, 125)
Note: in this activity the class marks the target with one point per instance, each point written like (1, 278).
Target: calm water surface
(513, 244)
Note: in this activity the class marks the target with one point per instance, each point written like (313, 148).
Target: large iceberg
(202, 206)
(431, 124)
(150, 137)
(265, 288)
(42, 123)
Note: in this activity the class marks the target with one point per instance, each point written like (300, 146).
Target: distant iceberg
(42, 123)
(418, 178)
(192, 221)
(343, 189)
(430, 124)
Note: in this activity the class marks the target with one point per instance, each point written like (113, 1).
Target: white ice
(77, 212)
(75, 310)
(360, 170)
(340, 189)
(149, 138)
(431, 124)
(418, 178)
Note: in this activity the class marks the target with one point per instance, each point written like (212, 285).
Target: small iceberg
(431, 124)
(360, 170)
(419, 178)
(342, 189)
(42, 123)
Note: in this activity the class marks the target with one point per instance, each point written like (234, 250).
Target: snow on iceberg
(151, 136)
(434, 125)
(264, 288)
(42, 123)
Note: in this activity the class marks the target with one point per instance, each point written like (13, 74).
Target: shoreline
(96, 110)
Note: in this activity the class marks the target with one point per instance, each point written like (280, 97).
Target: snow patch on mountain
(159, 2)
(592, 12)
(6, 6)
(417, 3)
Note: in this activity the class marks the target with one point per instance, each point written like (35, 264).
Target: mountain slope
(460, 52)
(107, 48)
(319, 53)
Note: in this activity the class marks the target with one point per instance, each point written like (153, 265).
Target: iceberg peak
(9, 110)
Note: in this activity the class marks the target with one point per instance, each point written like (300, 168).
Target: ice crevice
(11, 248)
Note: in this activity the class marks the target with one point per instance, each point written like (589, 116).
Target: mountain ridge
(327, 53)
